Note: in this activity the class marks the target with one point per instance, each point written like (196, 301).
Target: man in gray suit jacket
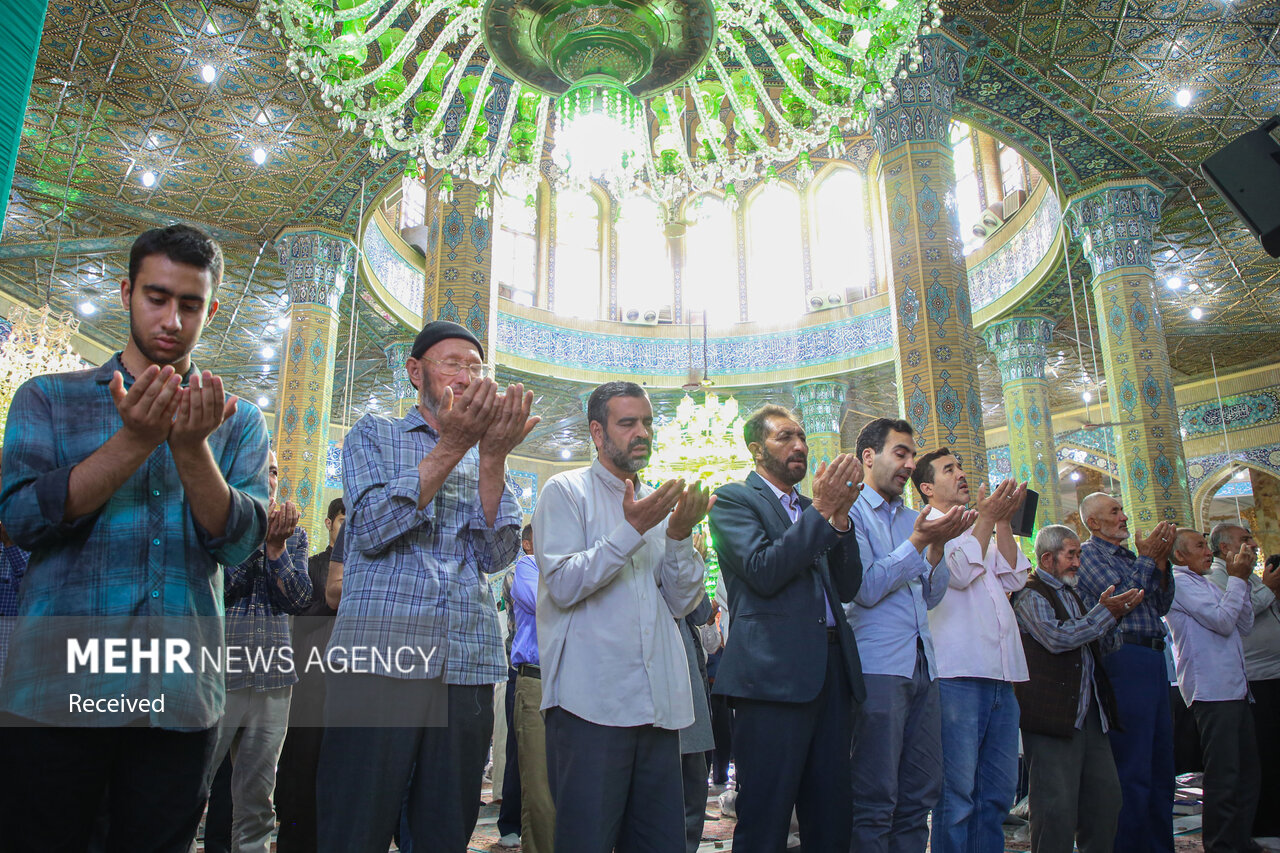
(790, 665)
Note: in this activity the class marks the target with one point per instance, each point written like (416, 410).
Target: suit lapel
(757, 482)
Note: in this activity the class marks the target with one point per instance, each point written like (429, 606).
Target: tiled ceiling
(118, 92)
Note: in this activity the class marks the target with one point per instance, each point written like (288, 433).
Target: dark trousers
(1074, 791)
(509, 812)
(722, 731)
(614, 787)
(217, 818)
(796, 755)
(364, 771)
(693, 770)
(295, 798)
(54, 779)
(1143, 749)
(1266, 729)
(1230, 773)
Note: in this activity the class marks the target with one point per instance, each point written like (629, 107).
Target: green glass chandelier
(663, 96)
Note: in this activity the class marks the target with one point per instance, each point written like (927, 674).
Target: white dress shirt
(610, 651)
(975, 633)
(1206, 624)
(1262, 645)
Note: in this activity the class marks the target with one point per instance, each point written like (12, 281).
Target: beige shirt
(607, 595)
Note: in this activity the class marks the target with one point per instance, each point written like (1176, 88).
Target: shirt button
(155, 541)
(155, 493)
(155, 593)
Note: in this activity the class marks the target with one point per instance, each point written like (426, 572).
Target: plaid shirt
(414, 577)
(139, 567)
(13, 565)
(1103, 564)
(261, 595)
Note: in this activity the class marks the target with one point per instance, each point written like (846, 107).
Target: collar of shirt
(413, 419)
(877, 503)
(790, 500)
(1111, 547)
(606, 477)
(1052, 580)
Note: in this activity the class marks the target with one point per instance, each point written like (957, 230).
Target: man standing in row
(897, 748)
(537, 811)
(617, 567)
(429, 514)
(979, 658)
(1261, 664)
(1067, 706)
(1206, 624)
(131, 484)
(261, 594)
(1143, 739)
(790, 669)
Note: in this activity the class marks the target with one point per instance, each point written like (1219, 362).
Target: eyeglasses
(453, 368)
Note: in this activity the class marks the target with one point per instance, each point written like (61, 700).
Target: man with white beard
(1068, 705)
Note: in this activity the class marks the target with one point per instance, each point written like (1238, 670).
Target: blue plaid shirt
(140, 567)
(415, 577)
(1103, 564)
(261, 595)
(13, 565)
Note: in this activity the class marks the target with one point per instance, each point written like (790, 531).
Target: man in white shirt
(617, 566)
(1206, 624)
(1261, 665)
(979, 657)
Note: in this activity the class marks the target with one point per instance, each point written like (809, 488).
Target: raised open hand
(941, 529)
(1158, 544)
(1240, 564)
(691, 508)
(148, 407)
(646, 513)
(511, 423)
(836, 486)
(465, 419)
(202, 407)
(1120, 605)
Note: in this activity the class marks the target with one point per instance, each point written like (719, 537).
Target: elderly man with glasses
(416, 640)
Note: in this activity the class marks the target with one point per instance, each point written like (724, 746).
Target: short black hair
(598, 402)
(923, 472)
(526, 535)
(181, 244)
(753, 429)
(873, 435)
(336, 508)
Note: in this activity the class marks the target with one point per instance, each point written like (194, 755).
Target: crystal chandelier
(39, 342)
(703, 442)
(672, 96)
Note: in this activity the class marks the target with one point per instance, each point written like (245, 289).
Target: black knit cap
(441, 330)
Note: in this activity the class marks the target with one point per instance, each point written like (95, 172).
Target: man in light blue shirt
(897, 748)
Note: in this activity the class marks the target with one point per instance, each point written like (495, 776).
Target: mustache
(798, 457)
(637, 443)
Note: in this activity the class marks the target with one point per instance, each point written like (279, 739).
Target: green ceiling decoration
(24, 22)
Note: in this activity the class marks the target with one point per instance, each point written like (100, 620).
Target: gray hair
(1180, 538)
(1089, 505)
(1223, 530)
(1053, 538)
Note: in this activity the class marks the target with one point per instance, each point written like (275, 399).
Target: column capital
(317, 263)
(1020, 344)
(1115, 221)
(919, 108)
(821, 404)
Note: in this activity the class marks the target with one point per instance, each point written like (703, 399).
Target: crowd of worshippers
(878, 674)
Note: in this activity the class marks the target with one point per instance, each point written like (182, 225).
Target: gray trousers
(252, 730)
(693, 768)
(897, 762)
(1074, 789)
(1231, 773)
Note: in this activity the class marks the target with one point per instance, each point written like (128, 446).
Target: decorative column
(1021, 346)
(819, 405)
(460, 269)
(1114, 222)
(406, 395)
(934, 344)
(317, 264)
(1266, 506)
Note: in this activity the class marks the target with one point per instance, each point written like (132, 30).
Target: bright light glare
(268, 352)
(595, 145)
(1183, 98)
(263, 402)
(87, 308)
(566, 453)
(1196, 313)
(1174, 282)
(208, 74)
(148, 179)
(1086, 396)
(259, 156)
(1075, 475)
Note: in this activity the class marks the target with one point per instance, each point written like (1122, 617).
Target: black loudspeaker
(1247, 175)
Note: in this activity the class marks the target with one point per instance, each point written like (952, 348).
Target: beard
(1072, 580)
(150, 354)
(780, 468)
(428, 400)
(623, 459)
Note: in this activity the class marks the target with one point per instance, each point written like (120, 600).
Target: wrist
(274, 551)
(848, 525)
